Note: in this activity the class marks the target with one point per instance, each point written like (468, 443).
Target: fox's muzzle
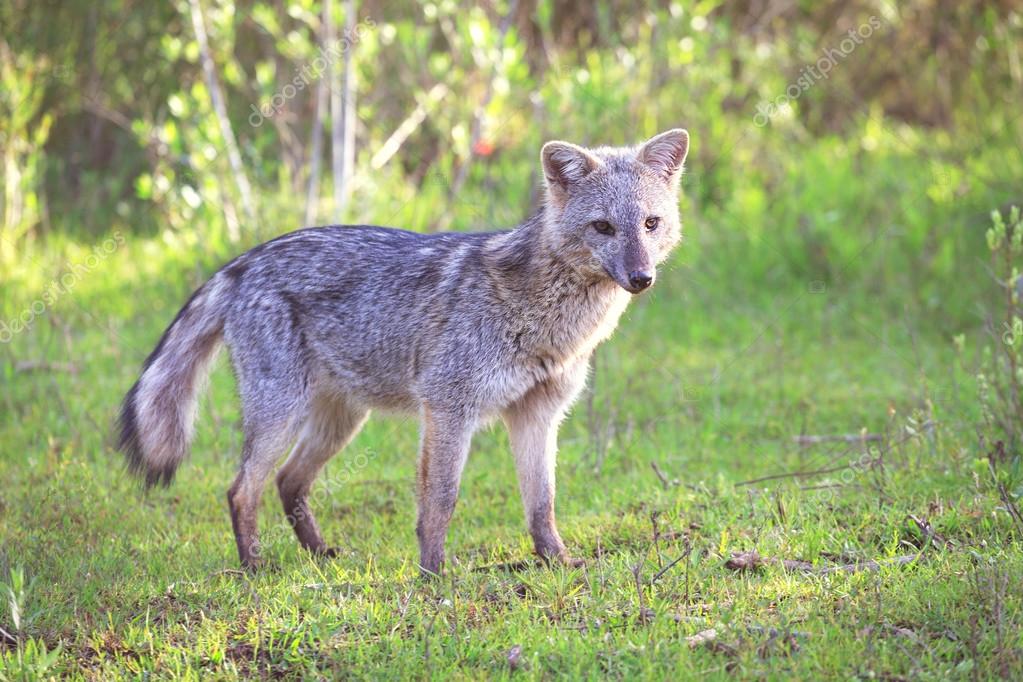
(640, 280)
(636, 281)
(635, 270)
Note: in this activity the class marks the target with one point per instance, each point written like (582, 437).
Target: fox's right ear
(565, 164)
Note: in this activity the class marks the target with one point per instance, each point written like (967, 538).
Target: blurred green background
(841, 275)
(107, 123)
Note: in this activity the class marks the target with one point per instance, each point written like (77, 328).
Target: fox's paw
(566, 561)
(561, 559)
(329, 552)
(253, 565)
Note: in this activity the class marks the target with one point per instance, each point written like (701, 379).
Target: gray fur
(325, 324)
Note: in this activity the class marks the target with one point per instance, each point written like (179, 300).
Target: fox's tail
(158, 413)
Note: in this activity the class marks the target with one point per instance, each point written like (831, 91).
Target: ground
(887, 553)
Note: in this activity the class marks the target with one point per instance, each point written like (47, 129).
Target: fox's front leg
(445, 445)
(533, 431)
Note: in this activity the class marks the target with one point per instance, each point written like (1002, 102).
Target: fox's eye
(603, 227)
(652, 223)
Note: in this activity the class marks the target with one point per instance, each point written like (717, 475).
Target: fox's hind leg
(263, 446)
(331, 425)
(269, 359)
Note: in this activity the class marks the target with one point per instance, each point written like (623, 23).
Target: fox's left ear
(665, 154)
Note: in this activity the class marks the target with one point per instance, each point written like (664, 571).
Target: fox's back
(362, 299)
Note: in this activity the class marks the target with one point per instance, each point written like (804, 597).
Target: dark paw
(253, 564)
(561, 558)
(328, 552)
(431, 569)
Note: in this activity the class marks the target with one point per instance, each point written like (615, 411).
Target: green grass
(710, 377)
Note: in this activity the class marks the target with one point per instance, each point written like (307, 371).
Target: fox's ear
(565, 164)
(665, 154)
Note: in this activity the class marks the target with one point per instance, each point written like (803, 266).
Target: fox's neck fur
(562, 309)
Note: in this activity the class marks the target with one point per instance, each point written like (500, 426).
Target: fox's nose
(640, 279)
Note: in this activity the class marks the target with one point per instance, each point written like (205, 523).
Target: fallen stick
(797, 474)
(842, 438)
(828, 470)
(870, 565)
(667, 568)
(407, 127)
(750, 561)
(511, 566)
(660, 474)
(929, 533)
(37, 365)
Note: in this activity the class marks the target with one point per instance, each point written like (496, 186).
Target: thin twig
(316, 143)
(644, 613)
(928, 531)
(343, 103)
(657, 537)
(660, 474)
(660, 573)
(391, 146)
(44, 365)
(842, 437)
(220, 109)
(794, 474)
(8, 637)
(512, 566)
(827, 470)
(871, 565)
(1011, 507)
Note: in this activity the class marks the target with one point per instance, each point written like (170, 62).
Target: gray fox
(325, 324)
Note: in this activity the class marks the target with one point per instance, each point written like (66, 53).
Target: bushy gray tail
(157, 417)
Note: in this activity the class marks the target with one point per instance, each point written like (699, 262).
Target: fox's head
(613, 212)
